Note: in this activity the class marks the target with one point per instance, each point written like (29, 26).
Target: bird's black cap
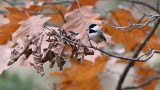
(92, 25)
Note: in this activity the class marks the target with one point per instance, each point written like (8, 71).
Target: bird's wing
(101, 35)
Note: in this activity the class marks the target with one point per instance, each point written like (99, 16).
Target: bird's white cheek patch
(96, 28)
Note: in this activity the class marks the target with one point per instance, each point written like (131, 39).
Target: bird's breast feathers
(95, 37)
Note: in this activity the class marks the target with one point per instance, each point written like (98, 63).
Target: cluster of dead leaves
(15, 16)
(57, 39)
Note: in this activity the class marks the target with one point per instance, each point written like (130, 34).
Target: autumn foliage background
(97, 71)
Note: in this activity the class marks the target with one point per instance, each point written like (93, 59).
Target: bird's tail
(107, 42)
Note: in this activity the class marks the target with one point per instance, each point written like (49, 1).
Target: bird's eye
(91, 31)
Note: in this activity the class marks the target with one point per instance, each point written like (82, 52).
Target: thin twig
(2, 12)
(142, 85)
(158, 6)
(44, 3)
(64, 20)
(14, 3)
(59, 2)
(143, 3)
(60, 12)
(139, 26)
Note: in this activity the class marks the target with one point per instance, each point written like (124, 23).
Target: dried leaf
(79, 23)
(5, 56)
(20, 50)
(30, 26)
(37, 55)
(56, 39)
(6, 32)
(15, 15)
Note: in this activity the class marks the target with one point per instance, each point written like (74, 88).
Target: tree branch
(44, 3)
(59, 2)
(2, 12)
(151, 52)
(15, 3)
(142, 85)
(137, 25)
(131, 63)
(143, 3)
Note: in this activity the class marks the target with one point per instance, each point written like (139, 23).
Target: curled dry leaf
(57, 39)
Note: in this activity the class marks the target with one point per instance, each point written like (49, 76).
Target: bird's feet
(89, 39)
(96, 48)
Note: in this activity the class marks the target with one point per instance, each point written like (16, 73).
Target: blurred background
(26, 78)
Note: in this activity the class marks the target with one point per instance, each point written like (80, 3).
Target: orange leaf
(154, 42)
(129, 39)
(30, 26)
(57, 18)
(83, 3)
(32, 8)
(6, 32)
(15, 15)
(146, 71)
(82, 76)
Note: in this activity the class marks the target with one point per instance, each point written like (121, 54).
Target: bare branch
(2, 12)
(59, 2)
(139, 26)
(52, 3)
(151, 52)
(143, 3)
(64, 20)
(158, 6)
(131, 63)
(142, 85)
(15, 3)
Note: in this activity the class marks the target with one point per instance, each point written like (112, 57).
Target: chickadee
(96, 34)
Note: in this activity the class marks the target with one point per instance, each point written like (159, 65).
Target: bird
(96, 34)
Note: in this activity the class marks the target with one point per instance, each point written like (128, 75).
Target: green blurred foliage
(15, 82)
